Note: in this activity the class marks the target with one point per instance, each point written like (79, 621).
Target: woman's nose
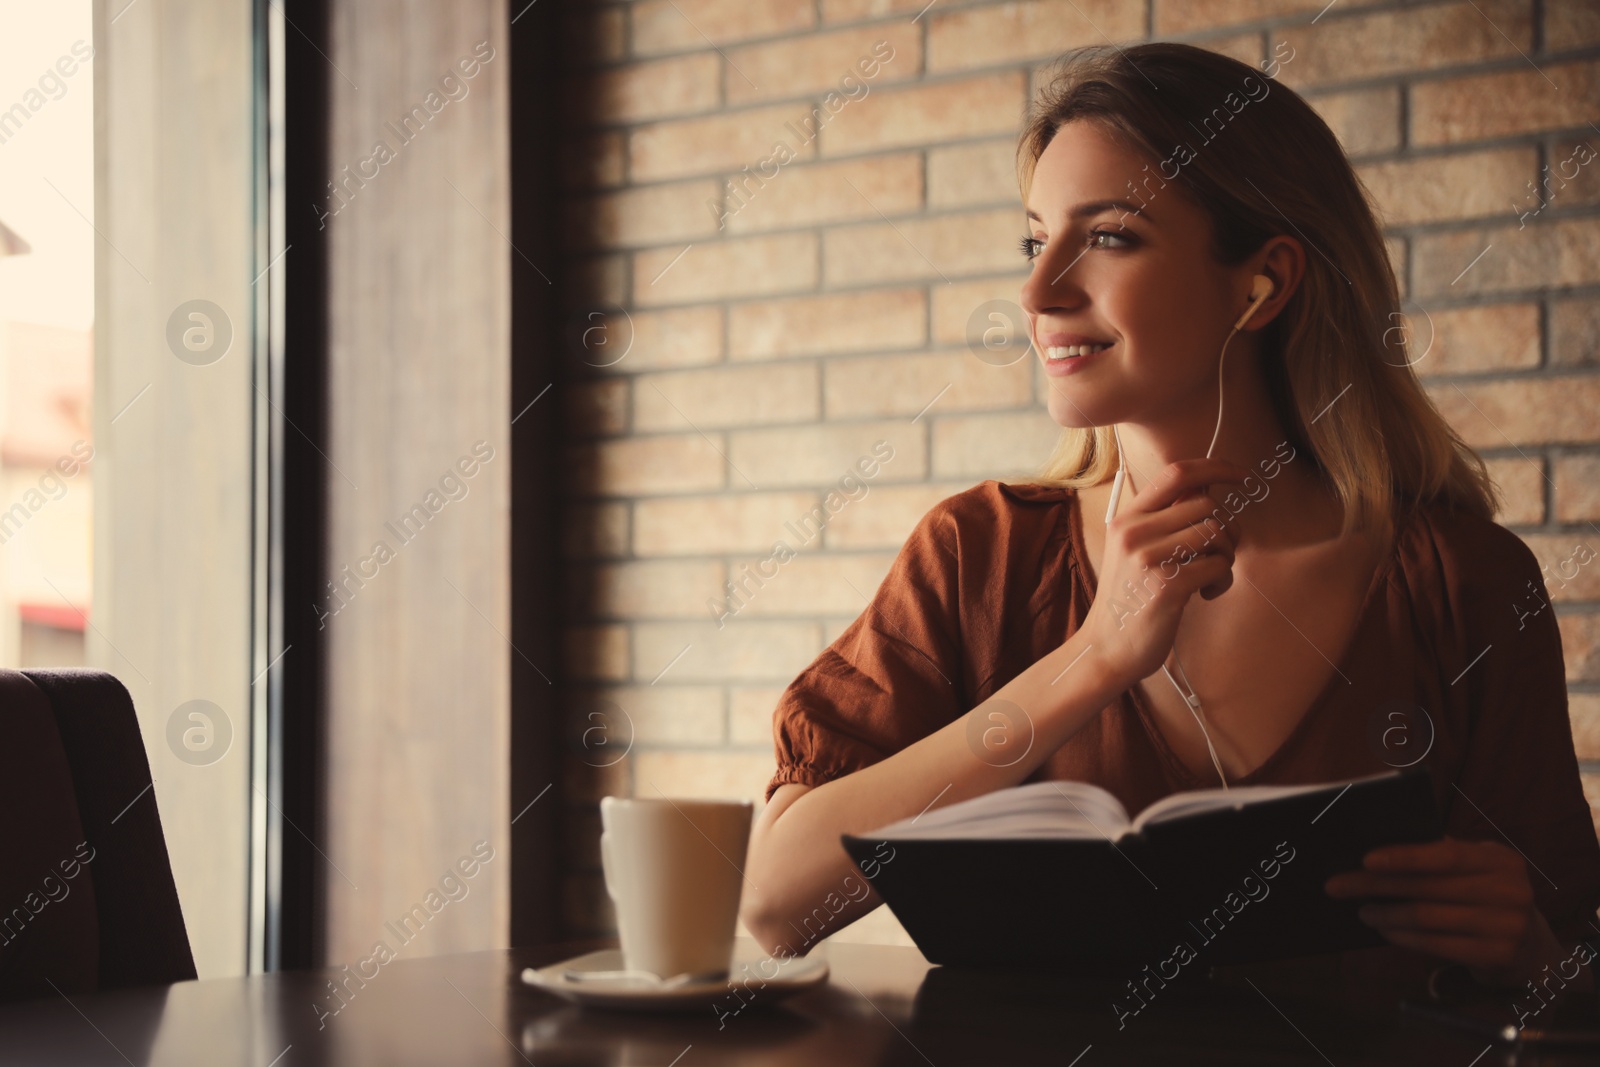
(1052, 284)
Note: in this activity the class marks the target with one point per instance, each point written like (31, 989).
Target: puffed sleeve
(894, 676)
(1518, 782)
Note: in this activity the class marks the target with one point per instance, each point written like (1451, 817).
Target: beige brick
(744, 650)
(1580, 647)
(675, 25)
(718, 270)
(606, 722)
(1459, 186)
(928, 114)
(750, 714)
(1185, 16)
(1521, 411)
(868, 57)
(1010, 447)
(1577, 481)
(824, 192)
(833, 628)
(874, 386)
(815, 583)
(594, 35)
(942, 248)
(656, 89)
(1521, 482)
(984, 172)
(1584, 710)
(1567, 578)
(598, 408)
(1245, 47)
(1472, 339)
(1542, 255)
(1575, 332)
(851, 10)
(1570, 24)
(1566, 180)
(727, 396)
(681, 148)
(595, 653)
(1515, 101)
(594, 161)
(736, 522)
(651, 215)
(993, 34)
(954, 306)
(1416, 38)
(669, 463)
(709, 775)
(645, 589)
(590, 531)
(650, 340)
(821, 455)
(1366, 121)
(895, 512)
(837, 322)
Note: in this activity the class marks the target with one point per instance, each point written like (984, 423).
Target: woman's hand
(1466, 901)
(1166, 542)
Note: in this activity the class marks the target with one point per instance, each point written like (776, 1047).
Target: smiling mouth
(1057, 353)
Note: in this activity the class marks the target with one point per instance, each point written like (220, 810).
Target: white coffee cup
(673, 869)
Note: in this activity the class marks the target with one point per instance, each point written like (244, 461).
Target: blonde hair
(1335, 358)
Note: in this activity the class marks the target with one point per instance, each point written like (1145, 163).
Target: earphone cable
(1191, 699)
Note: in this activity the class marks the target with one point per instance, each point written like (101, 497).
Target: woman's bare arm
(798, 874)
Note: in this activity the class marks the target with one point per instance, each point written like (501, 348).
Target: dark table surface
(881, 1005)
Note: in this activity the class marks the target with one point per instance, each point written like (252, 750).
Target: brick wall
(781, 312)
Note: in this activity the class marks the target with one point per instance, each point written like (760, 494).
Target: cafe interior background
(437, 380)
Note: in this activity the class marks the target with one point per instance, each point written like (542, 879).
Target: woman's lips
(1072, 364)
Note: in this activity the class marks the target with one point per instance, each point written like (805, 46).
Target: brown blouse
(990, 580)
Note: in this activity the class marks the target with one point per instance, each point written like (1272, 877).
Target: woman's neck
(1287, 502)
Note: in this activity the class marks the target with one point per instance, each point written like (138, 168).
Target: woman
(1351, 579)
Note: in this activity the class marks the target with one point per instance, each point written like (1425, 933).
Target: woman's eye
(1103, 239)
(1098, 239)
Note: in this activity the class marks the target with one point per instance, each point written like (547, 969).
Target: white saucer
(755, 978)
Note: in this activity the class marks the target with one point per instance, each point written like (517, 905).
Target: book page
(1058, 810)
(1196, 801)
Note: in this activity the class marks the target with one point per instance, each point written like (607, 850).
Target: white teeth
(1069, 351)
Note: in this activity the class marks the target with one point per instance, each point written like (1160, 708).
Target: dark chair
(97, 747)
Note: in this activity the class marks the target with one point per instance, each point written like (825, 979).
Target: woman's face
(1129, 267)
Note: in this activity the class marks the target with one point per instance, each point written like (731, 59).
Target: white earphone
(1260, 289)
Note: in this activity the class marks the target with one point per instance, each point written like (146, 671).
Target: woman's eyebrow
(1094, 207)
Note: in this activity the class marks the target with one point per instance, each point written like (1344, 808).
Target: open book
(1239, 871)
(1071, 810)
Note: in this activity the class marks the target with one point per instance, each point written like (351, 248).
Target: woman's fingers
(1460, 889)
(1469, 919)
(1446, 855)
(1178, 535)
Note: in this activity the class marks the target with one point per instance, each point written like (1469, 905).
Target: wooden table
(881, 1005)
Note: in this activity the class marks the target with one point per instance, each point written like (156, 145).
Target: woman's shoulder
(1467, 558)
(993, 506)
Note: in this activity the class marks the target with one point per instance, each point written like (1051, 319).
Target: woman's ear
(1283, 261)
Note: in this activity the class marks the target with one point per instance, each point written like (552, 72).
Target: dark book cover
(1232, 885)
